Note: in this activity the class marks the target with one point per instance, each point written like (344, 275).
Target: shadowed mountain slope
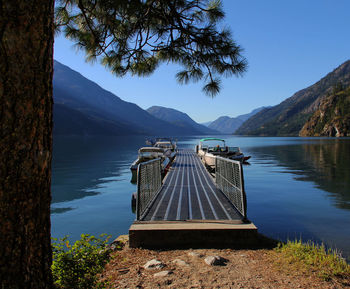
(287, 118)
(83, 107)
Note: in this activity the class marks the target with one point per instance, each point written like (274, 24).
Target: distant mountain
(229, 125)
(245, 117)
(83, 107)
(179, 119)
(288, 118)
(226, 124)
(206, 123)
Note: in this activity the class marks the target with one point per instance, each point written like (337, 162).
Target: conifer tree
(133, 36)
(136, 36)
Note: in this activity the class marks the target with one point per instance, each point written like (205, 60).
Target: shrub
(77, 266)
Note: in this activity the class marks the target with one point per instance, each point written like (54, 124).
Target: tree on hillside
(127, 36)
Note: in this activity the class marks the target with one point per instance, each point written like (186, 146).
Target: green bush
(78, 265)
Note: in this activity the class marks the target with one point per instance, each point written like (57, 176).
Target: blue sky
(289, 45)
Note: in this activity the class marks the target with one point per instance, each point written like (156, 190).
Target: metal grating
(189, 193)
(229, 179)
(149, 182)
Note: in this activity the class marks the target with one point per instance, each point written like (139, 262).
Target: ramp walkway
(188, 208)
(189, 193)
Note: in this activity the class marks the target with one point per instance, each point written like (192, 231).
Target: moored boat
(149, 153)
(153, 142)
(168, 147)
(209, 148)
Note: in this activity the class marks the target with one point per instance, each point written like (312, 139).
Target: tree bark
(26, 64)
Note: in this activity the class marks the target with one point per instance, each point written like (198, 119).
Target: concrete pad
(192, 234)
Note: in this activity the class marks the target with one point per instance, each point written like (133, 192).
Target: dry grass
(309, 257)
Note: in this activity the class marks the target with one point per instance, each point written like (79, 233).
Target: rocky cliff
(331, 118)
(289, 117)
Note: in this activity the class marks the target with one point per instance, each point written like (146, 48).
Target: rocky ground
(141, 268)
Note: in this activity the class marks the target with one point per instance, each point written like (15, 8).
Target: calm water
(296, 187)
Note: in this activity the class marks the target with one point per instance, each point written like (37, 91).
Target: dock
(189, 209)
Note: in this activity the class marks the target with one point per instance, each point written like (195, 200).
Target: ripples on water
(296, 187)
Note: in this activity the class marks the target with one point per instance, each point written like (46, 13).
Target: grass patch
(310, 257)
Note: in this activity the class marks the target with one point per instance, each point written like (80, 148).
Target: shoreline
(264, 267)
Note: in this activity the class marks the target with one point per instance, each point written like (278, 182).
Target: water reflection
(301, 189)
(331, 170)
(81, 167)
(325, 163)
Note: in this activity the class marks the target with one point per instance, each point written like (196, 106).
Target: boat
(168, 146)
(235, 153)
(149, 153)
(209, 148)
(153, 142)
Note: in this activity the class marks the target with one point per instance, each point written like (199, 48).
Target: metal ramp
(189, 208)
(189, 193)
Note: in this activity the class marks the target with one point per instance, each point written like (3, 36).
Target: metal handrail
(229, 179)
(149, 182)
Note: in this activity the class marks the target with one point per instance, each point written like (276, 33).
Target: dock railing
(229, 179)
(149, 182)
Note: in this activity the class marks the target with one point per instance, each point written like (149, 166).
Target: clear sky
(289, 45)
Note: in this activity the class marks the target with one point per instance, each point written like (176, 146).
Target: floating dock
(189, 210)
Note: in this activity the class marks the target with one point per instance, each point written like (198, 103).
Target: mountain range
(229, 125)
(179, 119)
(290, 116)
(81, 107)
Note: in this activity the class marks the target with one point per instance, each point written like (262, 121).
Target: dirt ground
(244, 269)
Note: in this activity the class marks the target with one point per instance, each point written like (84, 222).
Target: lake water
(296, 187)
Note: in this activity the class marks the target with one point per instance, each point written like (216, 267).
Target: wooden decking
(189, 193)
(190, 211)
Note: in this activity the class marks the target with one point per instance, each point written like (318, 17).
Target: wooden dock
(190, 210)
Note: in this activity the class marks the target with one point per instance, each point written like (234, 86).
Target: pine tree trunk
(26, 63)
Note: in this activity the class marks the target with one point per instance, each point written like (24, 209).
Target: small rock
(195, 254)
(154, 264)
(163, 273)
(119, 243)
(180, 262)
(215, 261)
